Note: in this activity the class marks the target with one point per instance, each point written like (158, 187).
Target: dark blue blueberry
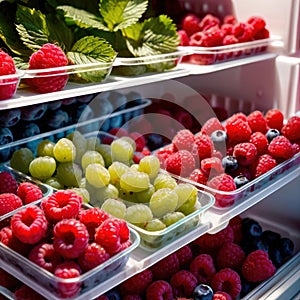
(251, 228)
(6, 137)
(101, 106)
(116, 122)
(240, 180)
(54, 105)
(134, 98)
(10, 117)
(105, 125)
(56, 119)
(276, 257)
(286, 247)
(247, 287)
(117, 99)
(251, 244)
(29, 129)
(33, 112)
(69, 101)
(203, 292)
(85, 98)
(219, 138)
(271, 237)
(80, 113)
(113, 295)
(230, 164)
(272, 133)
(154, 141)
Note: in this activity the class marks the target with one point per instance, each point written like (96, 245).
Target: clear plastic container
(9, 84)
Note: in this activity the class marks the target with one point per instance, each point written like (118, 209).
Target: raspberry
(281, 148)
(180, 163)
(93, 256)
(229, 39)
(203, 268)
(29, 225)
(111, 234)
(236, 225)
(203, 146)
(221, 296)
(48, 56)
(212, 37)
(243, 32)
(274, 118)
(29, 192)
(137, 284)
(211, 166)
(8, 281)
(139, 139)
(257, 266)
(159, 289)
(183, 283)
(198, 176)
(45, 256)
(229, 19)
(209, 21)
(245, 153)
(63, 204)
(132, 297)
(227, 280)
(70, 238)
(257, 23)
(263, 164)
(257, 121)
(230, 255)
(166, 267)
(190, 23)
(25, 292)
(183, 37)
(183, 140)
(9, 202)
(260, 141)
(185, 256)
(262, 34)
(291, 130)
(238, 130)
(8, 183)
(211, 125)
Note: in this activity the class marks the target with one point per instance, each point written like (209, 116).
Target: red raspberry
(93, 256)
(245, 153)
(203, 268)
(221, 296)
(48, 56)
(29, 192)
(203, 146)
(92, 218)
(238, 116)
(63, 204)
(296, 147)
(183, 140)
(8, 86)
(262, 34)
(166, 267)
(209, 21)
(9, 202)
(119, 131)
(198, 176)
(29, 225)
(137, 284)
(291, 130)
(229, 39)
(180, 163)
(8, 183)
(67, 270)
(238, 130)
(183, 283)
(8, 281)
(274, 118)
(131, 297)
(257, 121)
(158, 290)
(185, 256)
(190, 23)
(184, 118)
(70, 238)
(212, 37)
(258, 267)
(281, 148)
(236, 225)
(227, 30)
(263, 164)
(211, 125)
(211, 166)
(227, 280)
(139, 139)
(183, 37)
(260, 141)
(230, 19)
(45, 256)
(230, 255)
(111, 234)
(243, 32)
(257, 23)
(25, 292)
(210, 243)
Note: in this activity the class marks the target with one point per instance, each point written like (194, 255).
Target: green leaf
(119, 14)
(154, 36)
(92, 50)
(81, 18)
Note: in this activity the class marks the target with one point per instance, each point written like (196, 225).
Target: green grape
(45, 148)
(83, 192)
(64, 150)
(21, 160)
(69, 174)
(127, 195)
(80, 143)
(121, 151)
(54, 183)
(105, 151)
(187, 194)
(92, 143)
(97, 175)
(106, 192)
(116, 170)
(42, 167)
(155, 225)
(164, 181)
(135, 167)
(163, 201)
(130, 141)
(172, 218)
(138, 213)
(91, 156)
(145, 196)
(149, 164)
(134, 181)
(114, 207)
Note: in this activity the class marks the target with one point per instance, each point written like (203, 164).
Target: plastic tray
(147, 64)
(49, 285)
(9, 84)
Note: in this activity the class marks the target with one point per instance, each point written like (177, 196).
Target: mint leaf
(91, 50)
(119, 14)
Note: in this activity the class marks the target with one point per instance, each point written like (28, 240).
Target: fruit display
(236, 157)
(65, 247)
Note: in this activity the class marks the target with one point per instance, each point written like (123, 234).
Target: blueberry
(56, 119)
(113, 295)
(54, 105)
(6, 137)
(286, 247)
(134, 98)
(251, 228)
(81, 113)
(10, 117)
(101, 106)
(230, 164)
(247, 287)
(272, 133)
(69, 101)
(117, 99)
(271, 237)
(251, 244)
(219, 138)
(29, 129)
(240, 180)
(85, 98)
(154, 141)
(203, 292)
(276, 257)
(33, 112)
(116, 122)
